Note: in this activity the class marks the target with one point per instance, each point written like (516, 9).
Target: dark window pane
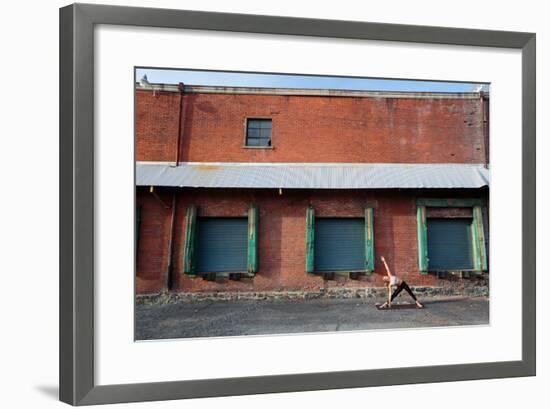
(254, 133)
(265, 142)
(253, 123)
(265, 124)
(254, 142)
(265, 133)
(258, 142)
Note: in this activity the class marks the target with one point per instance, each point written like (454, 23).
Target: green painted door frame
(369, 240)
(252, 240)
(189, 252)
(310, 239)
(190, 240)
(422, 229)
(478, 236)
(480, 257)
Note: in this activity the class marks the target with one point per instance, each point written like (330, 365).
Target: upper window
(258, 132)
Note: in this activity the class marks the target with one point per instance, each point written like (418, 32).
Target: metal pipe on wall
(170, 264)
(485, 126)
(181, 88)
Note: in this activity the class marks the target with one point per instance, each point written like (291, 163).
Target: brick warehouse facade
(207, 126)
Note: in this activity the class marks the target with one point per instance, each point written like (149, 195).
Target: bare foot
(419, 304)
(385, 305)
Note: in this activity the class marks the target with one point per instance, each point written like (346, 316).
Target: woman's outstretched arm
(388, 271)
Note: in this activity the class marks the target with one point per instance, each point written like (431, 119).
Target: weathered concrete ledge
(306, 92)
(337, 293)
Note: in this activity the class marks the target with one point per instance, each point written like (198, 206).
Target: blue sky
(298, 81)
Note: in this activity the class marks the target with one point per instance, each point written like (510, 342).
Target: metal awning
(312, 175)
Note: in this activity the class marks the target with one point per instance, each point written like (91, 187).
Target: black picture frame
(76, 379)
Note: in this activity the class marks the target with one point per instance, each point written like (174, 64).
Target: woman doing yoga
(398, 285)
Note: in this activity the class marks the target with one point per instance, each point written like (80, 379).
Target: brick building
(261, 190)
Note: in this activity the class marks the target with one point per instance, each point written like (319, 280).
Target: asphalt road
(229, 318)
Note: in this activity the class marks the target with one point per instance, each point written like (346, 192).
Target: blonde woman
(398, 285)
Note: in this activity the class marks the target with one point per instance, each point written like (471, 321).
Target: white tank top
(395, 281)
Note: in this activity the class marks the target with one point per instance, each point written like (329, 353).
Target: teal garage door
(339, 244)
(221, 244)
(450, 244)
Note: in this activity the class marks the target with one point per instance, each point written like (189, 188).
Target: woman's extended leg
(408, 289)
(397, 291)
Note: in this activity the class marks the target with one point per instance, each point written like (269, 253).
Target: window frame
(252, 118)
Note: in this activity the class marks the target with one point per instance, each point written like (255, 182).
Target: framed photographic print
(258, 204)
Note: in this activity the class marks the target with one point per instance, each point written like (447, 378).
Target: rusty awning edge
(312, 175)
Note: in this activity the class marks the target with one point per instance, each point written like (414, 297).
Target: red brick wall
(449, 212)
(310, 129)
(281, 236)
(156, 126)
(152, 249)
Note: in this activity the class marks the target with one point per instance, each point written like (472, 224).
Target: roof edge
(307, 92)
(313, 176)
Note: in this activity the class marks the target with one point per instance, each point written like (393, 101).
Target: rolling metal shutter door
(450, 244)
(222, 245)
(339, 244)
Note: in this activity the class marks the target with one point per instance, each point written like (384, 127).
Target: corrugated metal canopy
(312, 175)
